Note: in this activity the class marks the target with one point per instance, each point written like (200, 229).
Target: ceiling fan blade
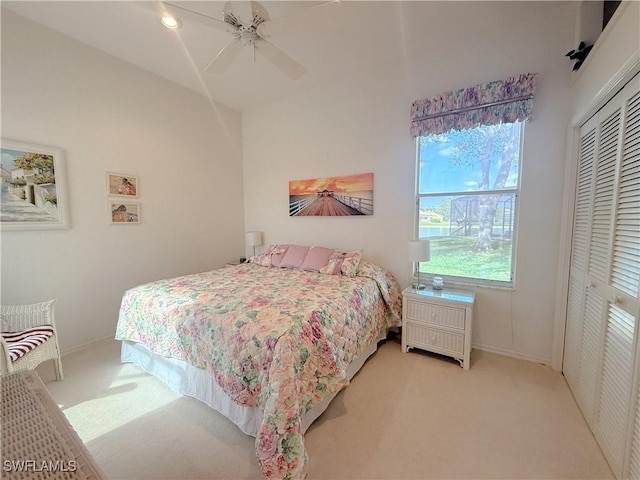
(326, 14)
(225, 57)
(242, 10)
(280, 60)
(185, 13)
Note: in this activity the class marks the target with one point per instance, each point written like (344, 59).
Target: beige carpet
(404, 416)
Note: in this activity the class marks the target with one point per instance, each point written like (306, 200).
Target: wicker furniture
(29, 337)
(438, 321)
(37, 439)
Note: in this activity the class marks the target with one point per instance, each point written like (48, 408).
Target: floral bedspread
(274, 338)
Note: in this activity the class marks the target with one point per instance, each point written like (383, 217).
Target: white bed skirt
(196, 382)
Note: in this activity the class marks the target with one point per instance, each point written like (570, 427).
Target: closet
(601, 356)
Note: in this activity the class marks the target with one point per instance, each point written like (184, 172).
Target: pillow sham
(350, 263)
(334, 264)
(278, 254)
(294, 257)
(263, 260)
(271, 257)
(317, 258)
(343, 263)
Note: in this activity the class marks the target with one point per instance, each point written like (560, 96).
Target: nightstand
(438, 321)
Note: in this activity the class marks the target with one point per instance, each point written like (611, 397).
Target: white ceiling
(361, 35)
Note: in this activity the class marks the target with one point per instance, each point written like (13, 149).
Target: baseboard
(87, 345)
(509, 353)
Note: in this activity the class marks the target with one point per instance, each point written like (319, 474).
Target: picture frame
(124, 212)
(33, 187)
(122, 185)
(347, 195)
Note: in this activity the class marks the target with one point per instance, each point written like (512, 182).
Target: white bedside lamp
(253, 239)
(419, 251)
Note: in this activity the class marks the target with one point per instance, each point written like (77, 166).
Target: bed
(267, 343)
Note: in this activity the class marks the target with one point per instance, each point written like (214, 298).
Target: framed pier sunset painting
(332, 196)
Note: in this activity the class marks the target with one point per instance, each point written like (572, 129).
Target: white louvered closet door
(603, 300)
(577, 281)
(583, 317)
(626, 260)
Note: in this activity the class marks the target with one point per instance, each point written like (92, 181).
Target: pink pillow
(294, 257)
(278, 254)
(317, 258)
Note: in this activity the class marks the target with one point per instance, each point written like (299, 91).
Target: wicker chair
(29, 337)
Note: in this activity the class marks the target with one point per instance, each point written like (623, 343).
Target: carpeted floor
(404, 416)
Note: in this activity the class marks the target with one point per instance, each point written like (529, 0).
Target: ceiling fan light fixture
(171, 22)
(248, 37)
(244, 20)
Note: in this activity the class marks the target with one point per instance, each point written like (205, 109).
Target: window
(467, 191)
(469, 150)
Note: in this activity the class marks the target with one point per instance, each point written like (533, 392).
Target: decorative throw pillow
(343, 263)
(350, 263)
(334, 264)
(263, 260)
(277, 254)
(294, 257)
(271, 257)
(317, 258)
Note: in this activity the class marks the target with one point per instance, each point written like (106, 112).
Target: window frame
(471, 281)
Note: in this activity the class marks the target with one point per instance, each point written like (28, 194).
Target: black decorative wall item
(579, 54)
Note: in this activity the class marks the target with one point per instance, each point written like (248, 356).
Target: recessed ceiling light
(171, 22)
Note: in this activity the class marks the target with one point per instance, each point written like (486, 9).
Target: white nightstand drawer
(439, 321)
(434, 339)
(420, 312)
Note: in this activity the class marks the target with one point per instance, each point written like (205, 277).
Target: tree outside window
(467, 190)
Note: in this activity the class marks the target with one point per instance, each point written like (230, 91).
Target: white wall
(110, 116)
(361, 124)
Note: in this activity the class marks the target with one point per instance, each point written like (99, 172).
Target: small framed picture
(124, 212)
(122, 185)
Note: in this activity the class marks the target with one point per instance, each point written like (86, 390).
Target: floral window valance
(501, 101)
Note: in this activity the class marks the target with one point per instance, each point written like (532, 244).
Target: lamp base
(418, 286)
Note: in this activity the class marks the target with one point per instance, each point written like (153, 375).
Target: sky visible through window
(447, 167)
(467, 189)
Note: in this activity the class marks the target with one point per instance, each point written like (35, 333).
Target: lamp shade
(253, 239)
(419, 250)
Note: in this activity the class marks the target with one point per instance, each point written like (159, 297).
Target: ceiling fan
(251, 26)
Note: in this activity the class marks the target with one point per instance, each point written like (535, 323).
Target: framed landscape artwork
(332, 196)
(124, 212)
(33, 187)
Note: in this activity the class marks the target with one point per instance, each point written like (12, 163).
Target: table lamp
(419, 251)
(253, 239)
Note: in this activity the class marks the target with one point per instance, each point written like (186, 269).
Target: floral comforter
(274, 338)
